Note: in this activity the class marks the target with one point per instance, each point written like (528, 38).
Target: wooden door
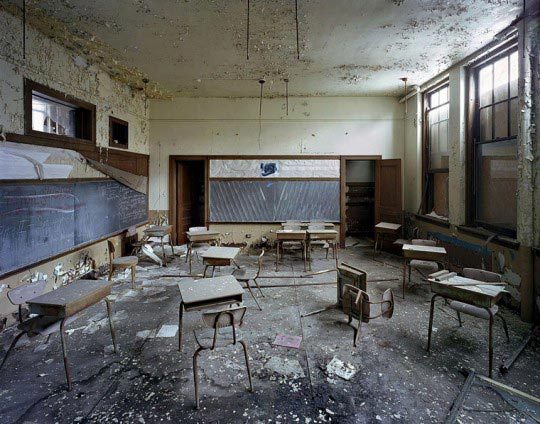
(184, 200)
(388, 191)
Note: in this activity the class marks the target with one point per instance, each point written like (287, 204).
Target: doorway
(190, 196)
(359, 202)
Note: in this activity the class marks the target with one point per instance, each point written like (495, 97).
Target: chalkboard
(274, 200)
(38, 221)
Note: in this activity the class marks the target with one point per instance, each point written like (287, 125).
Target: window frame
(427, 173)
(473, 134)
(112, 121)
(31, 86)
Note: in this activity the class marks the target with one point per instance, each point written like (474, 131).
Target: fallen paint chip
(285, 366)
(167, 330)
(338, 367)
(288, 341)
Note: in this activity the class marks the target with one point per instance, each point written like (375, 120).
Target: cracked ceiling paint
(347, 47)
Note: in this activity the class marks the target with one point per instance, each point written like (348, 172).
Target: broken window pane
(485, 124)
(53, 117)
(497, 184)
(440, 193)
(501, 120)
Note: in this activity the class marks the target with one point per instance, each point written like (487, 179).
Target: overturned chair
(357, 305)
(222, 331)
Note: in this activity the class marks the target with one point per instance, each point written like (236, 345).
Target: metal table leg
(64, 353)
(431, 311)
(111, 324)
(180, 316)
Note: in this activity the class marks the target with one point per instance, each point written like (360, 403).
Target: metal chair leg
(505, 327)
(133, 277)
(431, 311)
(110, 273)
(357, 333)
(490, 342)
(196, 376)
(64, 353)
(253, 295)
(243, 343)
(11, 346)
(259, 287)
(459, 318)
(111, 325)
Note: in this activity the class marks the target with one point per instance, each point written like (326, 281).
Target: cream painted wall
(314, 126)
(51, 64)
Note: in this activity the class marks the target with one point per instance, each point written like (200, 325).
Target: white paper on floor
(167, 330)
(144, 334)
(338, 367)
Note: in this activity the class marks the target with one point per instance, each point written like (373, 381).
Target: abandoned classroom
(255, 211)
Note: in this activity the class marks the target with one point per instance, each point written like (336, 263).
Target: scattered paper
(286, 340)
(339, 368)
(167, 331)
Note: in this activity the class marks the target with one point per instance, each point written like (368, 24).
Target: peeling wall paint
(57, 67)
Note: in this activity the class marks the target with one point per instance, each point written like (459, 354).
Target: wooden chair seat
(244, 274)
(125, 261)
(473, 310)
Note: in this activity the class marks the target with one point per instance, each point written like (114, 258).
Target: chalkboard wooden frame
(77, 247)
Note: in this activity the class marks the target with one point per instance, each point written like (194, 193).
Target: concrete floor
(396, 380)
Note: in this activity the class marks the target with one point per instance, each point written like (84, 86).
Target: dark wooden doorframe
(173, 189)
(343, 191)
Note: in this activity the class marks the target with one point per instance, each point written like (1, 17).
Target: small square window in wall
(494, 143)
(435, 135)
(118, 133)
(55, 116)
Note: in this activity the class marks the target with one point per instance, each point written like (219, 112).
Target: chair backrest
(27, 291)
(222, 319)
(316, 226)
(423, 242)
(197, 229)
(110, 246)
(482, 275)
(356, 301)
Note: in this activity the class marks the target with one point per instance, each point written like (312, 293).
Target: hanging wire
(24, 28)
(247, 32)
(145, 82)
(261, 81)
(287, 94)
(297, 36)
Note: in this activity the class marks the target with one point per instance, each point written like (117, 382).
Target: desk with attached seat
(219, 256)
(420, 252)
(284, 236)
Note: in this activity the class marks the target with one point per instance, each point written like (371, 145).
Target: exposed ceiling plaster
(347, 47)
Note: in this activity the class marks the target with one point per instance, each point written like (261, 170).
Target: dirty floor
(389, 377)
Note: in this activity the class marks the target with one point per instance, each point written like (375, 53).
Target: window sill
(484, 235)
(432, 220)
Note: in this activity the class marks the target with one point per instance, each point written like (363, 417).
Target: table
(67, 301)
(325, 235)
(204, 236)
(305, 224)
(207, 293)
(450, 286)
(291, 235)
(383, 228)
(161, 231)
(422, 253)
(219, 256)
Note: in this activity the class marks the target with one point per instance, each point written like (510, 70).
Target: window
(494, 144)
(436, 108)
(53, 115)
(118, 133)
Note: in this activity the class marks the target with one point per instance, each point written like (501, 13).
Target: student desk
(472, 292)
(219, 256)
(283, 236)
(422, 253)
(204, 236)
(207, 293)
(329, 236)
(161, 231)
(383, 228)
(67, 301)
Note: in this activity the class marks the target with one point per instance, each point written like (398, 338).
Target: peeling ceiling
(347, 47)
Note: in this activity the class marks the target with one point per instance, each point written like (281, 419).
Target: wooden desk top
(209, 289)
(321, 231)
(387, 226)
(203, 233)
(218, 252)
(70, 299)
(158, 230)
(467, 290)
(305, 224)
(291, 234)
(413, 248)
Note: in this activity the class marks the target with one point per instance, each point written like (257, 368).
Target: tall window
(494, 146)
(56, 116)
(436, 104)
